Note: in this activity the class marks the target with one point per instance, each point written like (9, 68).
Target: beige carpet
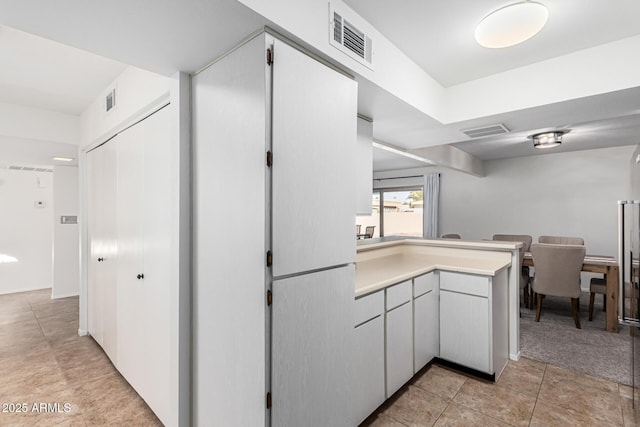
(590, 350)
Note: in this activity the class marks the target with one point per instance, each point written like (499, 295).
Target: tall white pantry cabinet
(129, 269)
(274, 134)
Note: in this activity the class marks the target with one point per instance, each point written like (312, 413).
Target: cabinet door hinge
(269, 297)
(269, 259)
(269, 56)
(269, 158)
(269, 400)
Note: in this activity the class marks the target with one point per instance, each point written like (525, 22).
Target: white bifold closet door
(103, 248)
(314, 136)
(144, 273)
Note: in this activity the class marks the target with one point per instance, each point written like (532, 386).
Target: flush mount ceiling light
(511, 24)
(63, 159)
(547, 139)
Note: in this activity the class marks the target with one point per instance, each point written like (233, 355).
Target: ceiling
(168, 35)
(439, 36)
(38, 72)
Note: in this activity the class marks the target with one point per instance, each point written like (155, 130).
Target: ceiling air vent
(486, 131)
(349, 39)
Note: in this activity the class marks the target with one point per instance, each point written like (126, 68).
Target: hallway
(43, 362)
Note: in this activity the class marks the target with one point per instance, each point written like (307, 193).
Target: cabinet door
(364, 167)
(426, 329)
(464, 330)
(109, 265)
(131, 305)
(369, 368)
(314, 133)
(94, 229)
(312, 349)
(157, 326)
(399, 347)
(101, 171)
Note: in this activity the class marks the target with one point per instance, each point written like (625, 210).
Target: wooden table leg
(612, 298)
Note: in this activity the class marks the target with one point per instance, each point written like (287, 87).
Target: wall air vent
(110, 100)
(25, 168)
(349, 39)
(486, 131)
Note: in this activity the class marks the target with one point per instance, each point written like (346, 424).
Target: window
(396, 212)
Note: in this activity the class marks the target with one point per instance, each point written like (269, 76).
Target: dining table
(606, 265)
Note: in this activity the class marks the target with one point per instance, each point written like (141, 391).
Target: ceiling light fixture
(63, 159)
(547, 139)
(511, 25)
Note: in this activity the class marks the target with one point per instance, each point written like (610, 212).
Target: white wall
(136, 91)
(634, 166)
(26, 232)
(66, 258)
(31, 123)
(567, 194)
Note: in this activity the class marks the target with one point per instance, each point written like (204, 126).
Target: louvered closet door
(314, 134)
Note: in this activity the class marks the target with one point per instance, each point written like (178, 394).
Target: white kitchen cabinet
(103, 262)
(312, 345)
(426, 320)
(313, 191)
(369, 367)
(301, 115)
(399, 336)
(473, 315)
(364, 167)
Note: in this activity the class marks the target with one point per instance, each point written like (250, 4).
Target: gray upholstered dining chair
(451, 236)
(558, 274)
(561, 240)
(524, 279)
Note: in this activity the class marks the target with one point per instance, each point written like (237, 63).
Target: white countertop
(381, 264)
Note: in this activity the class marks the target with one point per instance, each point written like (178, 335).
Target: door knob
(140, 276)
(100, 259)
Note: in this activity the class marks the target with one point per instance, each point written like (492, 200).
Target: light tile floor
(44, 361)
(529, 393)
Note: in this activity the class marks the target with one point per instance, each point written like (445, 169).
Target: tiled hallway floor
(529, 393)
(44, 361)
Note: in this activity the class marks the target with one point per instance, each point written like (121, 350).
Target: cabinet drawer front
(398, 294)
(423, 284)
(368, 307)
(465, 283)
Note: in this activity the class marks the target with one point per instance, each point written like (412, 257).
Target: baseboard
(465, 369)
(515, 357)
(83, 333)
(18, 290)
(60, 296)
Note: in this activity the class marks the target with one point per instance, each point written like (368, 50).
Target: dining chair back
(526, 245)
(368, 231)
(558, 273)
(561, 240)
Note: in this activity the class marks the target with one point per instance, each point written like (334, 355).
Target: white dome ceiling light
(511, 24)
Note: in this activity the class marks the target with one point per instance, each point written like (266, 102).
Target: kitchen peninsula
(416, 300)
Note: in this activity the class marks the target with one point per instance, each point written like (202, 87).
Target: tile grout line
(538, 393)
